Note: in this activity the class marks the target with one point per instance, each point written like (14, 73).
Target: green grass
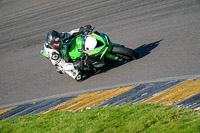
(128, 118)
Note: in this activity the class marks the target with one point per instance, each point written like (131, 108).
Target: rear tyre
(124, 53)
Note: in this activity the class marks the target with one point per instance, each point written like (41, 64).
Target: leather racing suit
(60, 57)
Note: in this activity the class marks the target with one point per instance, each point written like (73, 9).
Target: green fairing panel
(107, 43)
(76, 45)
(98, 38)
(97, 50)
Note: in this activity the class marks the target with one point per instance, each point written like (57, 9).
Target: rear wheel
(124, 53)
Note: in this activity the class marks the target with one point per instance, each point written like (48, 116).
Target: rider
(56, 49)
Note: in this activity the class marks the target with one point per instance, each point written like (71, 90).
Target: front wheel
(124, 53)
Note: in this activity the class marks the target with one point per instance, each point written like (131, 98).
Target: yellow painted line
(89, 99)
(5, 110)
(176, 93)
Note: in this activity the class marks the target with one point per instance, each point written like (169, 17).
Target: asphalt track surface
(165, 34)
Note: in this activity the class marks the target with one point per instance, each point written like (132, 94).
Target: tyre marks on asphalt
(184, 93)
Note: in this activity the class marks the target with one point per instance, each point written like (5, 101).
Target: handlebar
(87, 29)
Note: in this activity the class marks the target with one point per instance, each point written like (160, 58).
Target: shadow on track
(143, 51)
(146, 49)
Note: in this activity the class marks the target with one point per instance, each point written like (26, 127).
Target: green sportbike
(95, 51)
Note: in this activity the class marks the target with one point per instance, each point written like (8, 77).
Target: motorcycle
(95, 56)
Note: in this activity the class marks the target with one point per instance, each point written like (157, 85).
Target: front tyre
(124, 53)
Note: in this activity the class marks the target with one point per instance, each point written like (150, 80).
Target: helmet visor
(55, 44)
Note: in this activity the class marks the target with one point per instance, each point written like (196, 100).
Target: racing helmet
(53, 39)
